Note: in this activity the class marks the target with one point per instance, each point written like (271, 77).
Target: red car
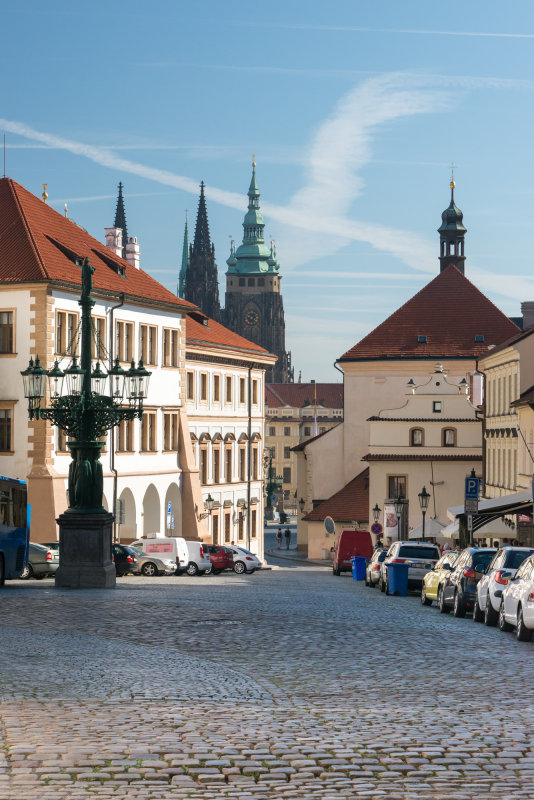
(220, 558)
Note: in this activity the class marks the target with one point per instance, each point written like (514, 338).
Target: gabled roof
(303, 445)
(349, 504)
(517, 337)
(205, 331)
(298, 395)
(39, 244)
(450, 312)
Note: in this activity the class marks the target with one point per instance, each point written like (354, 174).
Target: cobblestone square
(288, 683)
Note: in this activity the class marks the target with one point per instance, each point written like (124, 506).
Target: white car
(517, 602)
(244, 560)
(421, 557)
(497, 574)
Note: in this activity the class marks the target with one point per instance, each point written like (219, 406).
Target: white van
(191, 557)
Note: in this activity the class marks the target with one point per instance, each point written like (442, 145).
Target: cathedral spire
(451, 235)
(201, 243)
(201, 285)
(185, 261)
(120, 220)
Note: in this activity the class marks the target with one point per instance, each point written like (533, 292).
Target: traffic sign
(470, 506)
(169, 507)
(172, 522)
(329, 525)
(376, 528)
(472, 486)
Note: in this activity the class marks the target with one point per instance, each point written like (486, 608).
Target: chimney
(114, 240)
(133, 252)
(527, 310)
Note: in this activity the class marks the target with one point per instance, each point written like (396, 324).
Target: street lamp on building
(302, 503)
(424, 497)
(84, 405)
(376, 512)
(399, 505)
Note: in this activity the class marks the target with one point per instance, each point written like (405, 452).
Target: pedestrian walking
(287, 534)
(279, 538)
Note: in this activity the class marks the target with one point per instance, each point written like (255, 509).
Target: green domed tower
(254, 307)
(452, 235)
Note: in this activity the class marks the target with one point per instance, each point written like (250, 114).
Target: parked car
(498, 573)
(435, 577)
(53, 546)
(42, 561)
(220, 557)
(372, 570)
(190, 557)
(421, 557)
(349, 544)
(517, 602)
(458, 590)
(125, 559)
(149, 564)
(244, 560)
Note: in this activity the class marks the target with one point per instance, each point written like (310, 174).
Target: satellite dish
(329, 524)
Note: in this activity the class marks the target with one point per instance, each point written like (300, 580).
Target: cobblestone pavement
(287, 683)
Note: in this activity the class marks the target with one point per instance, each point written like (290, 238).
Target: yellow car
(435, 577)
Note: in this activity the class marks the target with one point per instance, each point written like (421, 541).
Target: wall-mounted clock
(252, 317)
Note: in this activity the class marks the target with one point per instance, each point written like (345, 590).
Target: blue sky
(355, 112)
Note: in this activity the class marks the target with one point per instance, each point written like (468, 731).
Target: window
(148, 350)
(216, 465)
(6, 429)
(170, 431)
(241, 281)
(436, 406)
(66, 327)
(203, 465)
(7, 332)
(98, 344)
(322, 429)
(255, 391)
(242, 391)
(125, 434)
(255, 464)
(396, 486)
(307, 430)
(124, 334)
(287, 452)
(253, 524)
(227, 528)
(287, 431)
(241, 526)
(61, 441)
(228, 465)
(228, 389)
(261, 281)
(449, 437)
(216, 388)
(479, 338)
(272, 430)
(190, 386)
(287, 474)
(242, 464)
(422, 339)
(149, 432)
(203, 387)
(170, 347)
(251, 281)
(416, 437)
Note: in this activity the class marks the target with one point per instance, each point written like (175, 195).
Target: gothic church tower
(253, 305)
(201, 279)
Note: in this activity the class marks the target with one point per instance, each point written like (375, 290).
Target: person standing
(287, 534)
(279, 538)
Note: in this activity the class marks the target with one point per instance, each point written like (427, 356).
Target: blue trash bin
(358, 567)
(398, 579)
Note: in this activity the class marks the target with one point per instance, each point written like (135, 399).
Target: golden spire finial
(452, 184)
(66, 210)
(44, 194)
(253, 159)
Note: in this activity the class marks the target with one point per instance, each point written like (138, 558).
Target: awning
(433, 528)
(492, 509)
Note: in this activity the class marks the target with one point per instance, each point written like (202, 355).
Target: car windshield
(245, 551)
(482, 559)
(515, 558)
(132, 551)
(417, 551)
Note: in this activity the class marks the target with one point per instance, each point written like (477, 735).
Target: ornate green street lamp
(424, 497)
(93, 403)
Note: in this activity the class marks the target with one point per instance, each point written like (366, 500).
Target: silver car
(496, 577)
(420, 556)
(152, 565)
(42, 561)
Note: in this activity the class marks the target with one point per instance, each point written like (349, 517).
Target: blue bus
(14, 527)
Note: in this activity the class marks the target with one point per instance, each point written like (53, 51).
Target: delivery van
(350, 543)
(192, 558)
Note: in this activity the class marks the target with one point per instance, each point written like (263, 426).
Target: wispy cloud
(410, 31)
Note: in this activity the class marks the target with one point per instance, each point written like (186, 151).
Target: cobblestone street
(288, 683)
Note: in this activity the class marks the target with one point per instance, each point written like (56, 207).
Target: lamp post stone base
(85, 551)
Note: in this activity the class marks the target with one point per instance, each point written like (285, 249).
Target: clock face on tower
(252, 317)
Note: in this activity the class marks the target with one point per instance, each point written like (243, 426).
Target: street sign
(472, 486)
(376, 528)
(329, 525)
(471, 506)
(172, 522)
(169, 507)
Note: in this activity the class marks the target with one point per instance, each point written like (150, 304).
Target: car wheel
(425, 601)
(443, 608)
(26, 573)
(386, 586)
(213, 571)
(192, 569)
(39, 577)
(239, 567)
(503, 624)
(458, 608)
(336, 571)
(522, 633)
(478, 614)
(381, 584)
(490, 615)
(149, 569)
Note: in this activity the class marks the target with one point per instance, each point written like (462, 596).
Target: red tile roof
(214, 334)
(39, 244)
(348, 505)
(450, 311)
(420, 457)
(298, 395)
